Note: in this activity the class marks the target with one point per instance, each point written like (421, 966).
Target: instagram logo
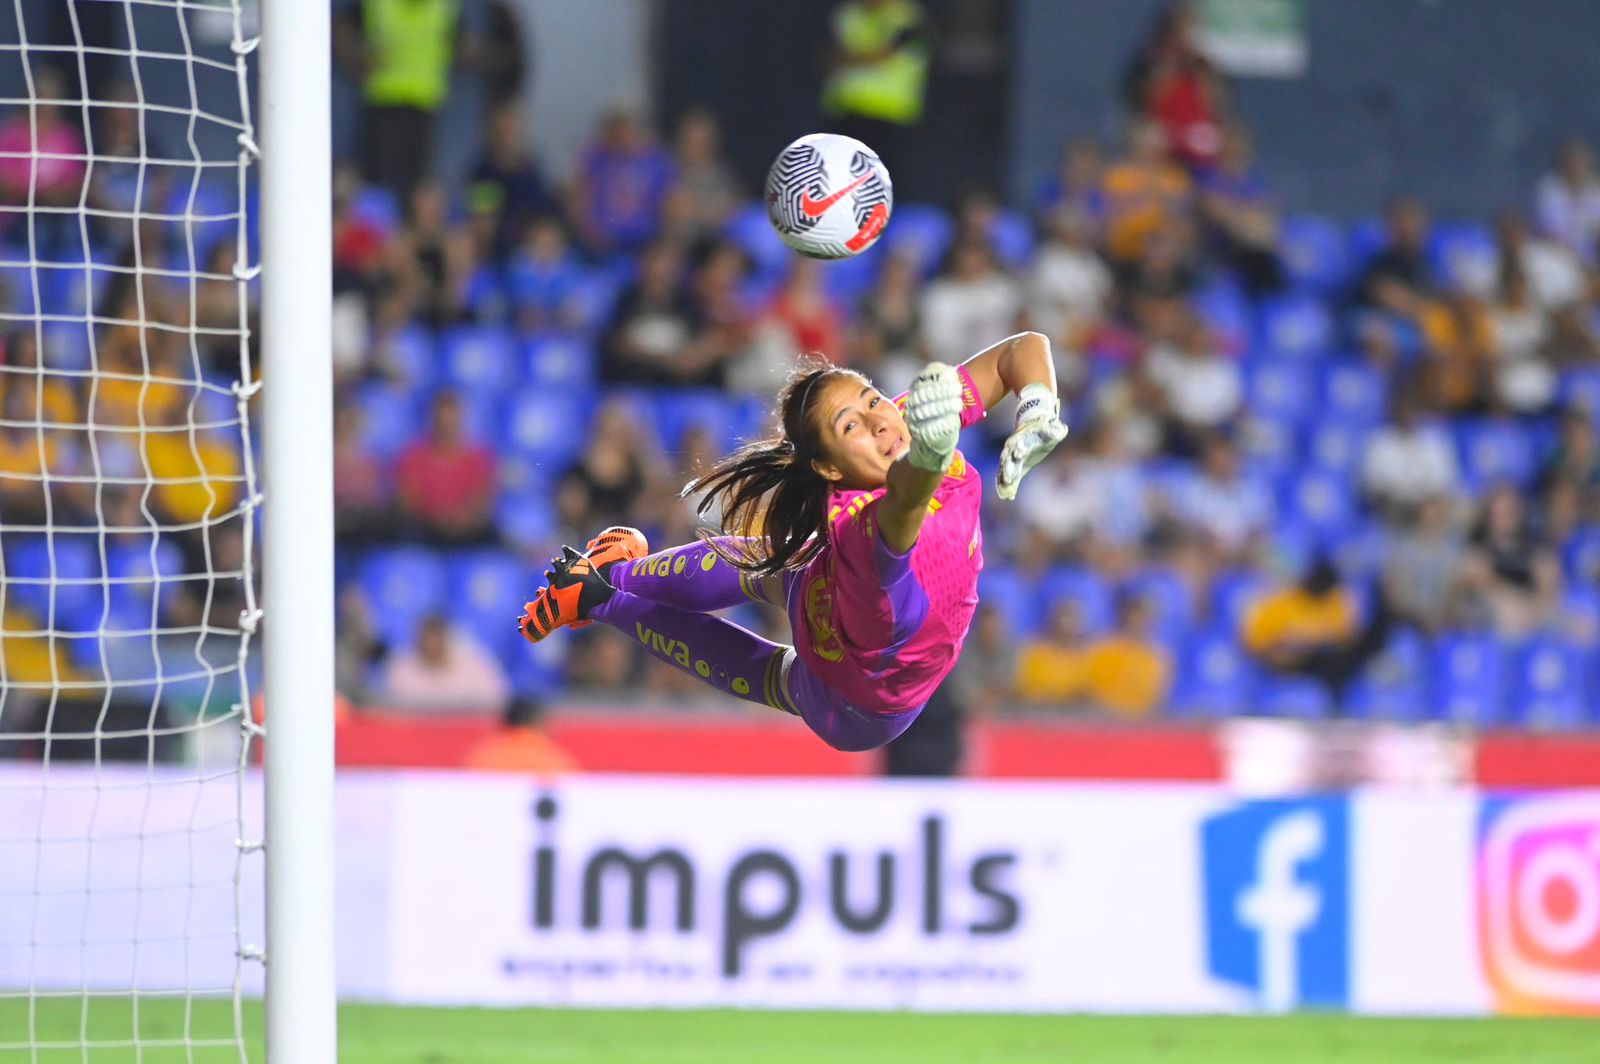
(1539, 903)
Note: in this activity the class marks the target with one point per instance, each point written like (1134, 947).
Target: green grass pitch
(372, 1035)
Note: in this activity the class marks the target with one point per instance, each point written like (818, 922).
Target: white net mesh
(127, 530)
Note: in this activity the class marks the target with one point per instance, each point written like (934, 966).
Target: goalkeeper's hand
(1038, 430)
(933, 417)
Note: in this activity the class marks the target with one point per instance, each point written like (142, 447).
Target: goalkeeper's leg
(693, 577)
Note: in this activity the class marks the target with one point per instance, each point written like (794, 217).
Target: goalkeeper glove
(1038, 430)
(933, 416)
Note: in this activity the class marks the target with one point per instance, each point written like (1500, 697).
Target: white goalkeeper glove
(1038, 430)
(933, 415)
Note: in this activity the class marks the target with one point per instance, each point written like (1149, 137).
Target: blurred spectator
(1568, 201)
(601, 663)
(877, 77)
(544, 278)
(1237, 206)
(431, 260)
(723, 325)
(892, 310)
(1144, 193)
(41, 161)
(499, 56)
(1422, 567)
(1064, 507)
(1050, 666)
(987, 668)
(1555, 274)
(706, 194)
(506, 181)
(357, 648)
(446, 670)
(1201, 388)
(1575, 460)
(26, 455)
(612, 475)
(446, 482)
(402, 52)
(621, 184)
(1524, 380)
(1312, 628)
(1231, 507)
(969, 306)
(1075, 189)
(934, 744)
(197, 474)
(1459, 338)
(1172, 82)
(1069, 286)
(520, 745)
(363, 505)
(1398, 279)
(1511, 577)
(808, 317)
(1127, 672)
(1408, 460)
(647, 339)
(118, 182)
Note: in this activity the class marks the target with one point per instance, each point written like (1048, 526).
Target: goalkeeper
(860, 520)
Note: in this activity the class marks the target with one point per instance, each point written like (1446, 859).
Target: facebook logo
(1276, 875)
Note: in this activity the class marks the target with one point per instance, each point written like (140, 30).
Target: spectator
(363, 504)
(1458, 334)
(802, 310)
(1231, 508)
(648, 338)
(430, 261)
(27, 458)
(1062, 508)
(1312, 629)
(971, 305)
(622, 182)
(446, 670)
(612, 475)
(1398, 279)
(723, 325)
(934, 744)
(197, 473)
(987, 669)
(1422, 567)
(1524, 381)
(402, 51)
(1180, 90)
(1069, 286)
(499, 55)
(507, 181)
(1127, 672)
(878, 75)
(447, 482)
(1202, 389)
(1050, 666)
(706, 194)
(1576, 460)
(544, 279)
(1143, 193)
(1075, 189)
(1235, 203)
(1555, 274)
(1408, 460)
(41, 162)
(892, 309)
(1511, 577)
(1568, 201)
(357, 649)
(520, 745)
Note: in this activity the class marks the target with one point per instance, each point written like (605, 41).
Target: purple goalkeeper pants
(664, 602)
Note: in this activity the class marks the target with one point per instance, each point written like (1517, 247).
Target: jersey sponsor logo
(825, 639)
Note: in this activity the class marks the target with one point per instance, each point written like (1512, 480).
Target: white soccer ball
(829, 196)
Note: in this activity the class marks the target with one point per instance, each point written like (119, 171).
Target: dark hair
(768, 489)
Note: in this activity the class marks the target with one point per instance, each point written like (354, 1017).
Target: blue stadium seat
(414, 355)
(16, 288)
(753, 232)
(1270, 444)
(677, 411)
(550, 427)
(1315, 253)
(1464, 254)
(1354, 392)
(558, 360)
(61, 571)
(1280, 391)
(1580, 613)
(1232, 594)
(526, 518)
(1215, 676)
(1016, 598)
(487, 591)
(537, 670)
(1469, 678)
(390, 416)
(139, 569)
(1011, 235)
(1580, 386)
(402, 586)
(1296, 542)
(1296, 326)
(1495, 451)
(1222, 304)
(1581, 556)
(1170, 601)
(1552, 683)
(479, 358)
(1293, 697)
(67, 345)
(378, 207)
(1367, 237)
(921, 233)
(1337, 445)
(1394, 685)
(487, 299)
(1321, 499)
(595, 296)
(1087, 589)
(847, 280)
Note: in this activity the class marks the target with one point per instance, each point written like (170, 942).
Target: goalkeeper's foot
(575, 588)
(619, 543)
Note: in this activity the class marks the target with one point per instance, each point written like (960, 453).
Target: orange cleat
(577, 582)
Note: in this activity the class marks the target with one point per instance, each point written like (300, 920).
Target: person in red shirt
(447, 482)
(1172, 82)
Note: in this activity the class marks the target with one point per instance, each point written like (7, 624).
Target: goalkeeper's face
(860, 432)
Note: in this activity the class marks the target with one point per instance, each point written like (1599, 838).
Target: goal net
(130, 891)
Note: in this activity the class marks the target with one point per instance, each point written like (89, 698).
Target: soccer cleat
(574, 589)
(619, 543)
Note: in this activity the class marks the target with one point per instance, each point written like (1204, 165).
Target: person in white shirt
(1202, 388)
(968, 305)
(1568, 200)
(1408, 461)
(1069, 284)
(1231, 507)
(446, 670)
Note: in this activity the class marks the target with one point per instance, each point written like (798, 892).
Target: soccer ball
(829, 196)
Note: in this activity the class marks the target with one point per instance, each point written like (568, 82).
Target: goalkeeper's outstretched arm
(1021, 364)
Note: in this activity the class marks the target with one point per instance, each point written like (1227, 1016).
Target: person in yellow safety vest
(875, 89)
(402, 52)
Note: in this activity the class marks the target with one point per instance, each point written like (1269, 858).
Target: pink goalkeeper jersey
(880, 632)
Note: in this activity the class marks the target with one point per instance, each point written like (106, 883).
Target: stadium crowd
(1315, 469)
